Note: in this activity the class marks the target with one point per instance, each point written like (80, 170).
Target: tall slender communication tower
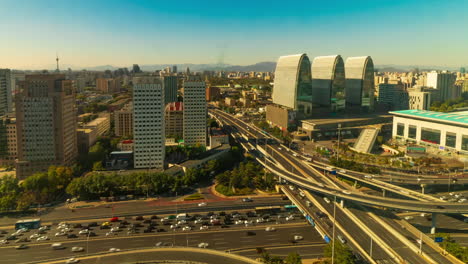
(57, 59)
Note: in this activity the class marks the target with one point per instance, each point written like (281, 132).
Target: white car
(462, 200)
(115, 229)
(83, 232)
(42, 238)
(297, 238)
(57, 246)
(203, 245)
(77, 249)
(4, 242)
(408, 217)
(248, 223)
(368, 176)
(182, 222)
(342, 171)
(114, 250)
(198, 221)
(270, 229)
(186, 228)
(202, 204)
(72, 261)
(34, 236)
(204, 227)
(60, 234)
(291, 188)
(239, 222)
(290, 218)
(174, 226)
(326, 199)
(260, 220)
(294, 154)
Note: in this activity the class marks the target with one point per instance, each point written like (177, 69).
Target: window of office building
(430, 135)
(412, 132)
(464, 142)
(450, 139)
(400, 129)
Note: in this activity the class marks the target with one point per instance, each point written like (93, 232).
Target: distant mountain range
(267, 66)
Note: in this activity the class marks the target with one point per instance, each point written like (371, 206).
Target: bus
(268, 210)
(290, 207)
(28, 223)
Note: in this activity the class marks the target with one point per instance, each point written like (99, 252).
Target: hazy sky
(120, 33)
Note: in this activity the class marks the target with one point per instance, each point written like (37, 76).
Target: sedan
(42, 238)
(83, 232)
(34, 236)
(114, 250)
(77, 249)
(61, 234)
(202, 204)
(297, 238)
(186, 228)
(23, 246)
(115, 229)
(203, 245)
(72, 261)
(204, 227)
(270, 229)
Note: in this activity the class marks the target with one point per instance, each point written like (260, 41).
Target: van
(341, 239)
(183, 216)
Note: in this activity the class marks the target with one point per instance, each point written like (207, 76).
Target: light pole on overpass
(333, 231)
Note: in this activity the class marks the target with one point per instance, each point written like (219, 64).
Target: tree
(343, 255)
(293, 258)
(97, 166)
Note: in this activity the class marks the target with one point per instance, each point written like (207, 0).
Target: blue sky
(120, 33)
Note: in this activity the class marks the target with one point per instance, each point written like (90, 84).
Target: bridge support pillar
(355, 184)
(342, 203)
(433, 226)
(383, 192)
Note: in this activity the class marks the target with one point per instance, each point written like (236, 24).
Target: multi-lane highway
(232, 236)
(411, 205)
(394, 244)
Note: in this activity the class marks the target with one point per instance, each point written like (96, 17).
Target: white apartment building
(194, 112)
(444, 82)
(419, 100)
(148, 122)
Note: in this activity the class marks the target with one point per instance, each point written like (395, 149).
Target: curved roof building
(328, 81)
(360, 82)
(292, 86)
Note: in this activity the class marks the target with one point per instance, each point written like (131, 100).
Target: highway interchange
(364, 223)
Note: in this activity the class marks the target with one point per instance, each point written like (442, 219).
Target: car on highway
(289, 217)
(139, 218)
(92, 224)
(408, 217)
(462, 200)
(182, 222)
(270, 229)
(368, 176)
(202, 204)
(342, 171)
(238, 222)
(175, 226)
(203, 245)
(114, 250)
(72, 261)
(326, 199)
(114, 219)
(247, 199)
(60, 234)
(198, 221)
(83, 232)
(42, 238)
(34, 236)
(186, 228)
(260, 220)
(22, 240)
(4, 242)
(77, 249)
(115, 229)
(57, 246)
(297, 238)
(22, 246)
(291, 188)
(72, 236)
(341, 239)
(204, 227)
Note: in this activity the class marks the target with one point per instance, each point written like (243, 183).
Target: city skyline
(117, 33)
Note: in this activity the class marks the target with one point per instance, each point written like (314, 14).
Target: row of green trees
(453, 247)
(40, 188)
(450, 105)
(292, 258)
(247, 176)
(352, 165)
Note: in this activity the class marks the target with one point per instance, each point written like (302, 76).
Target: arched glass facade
(293, 86)
(328, 83)
(360, 83)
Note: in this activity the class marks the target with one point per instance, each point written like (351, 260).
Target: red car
(114, 219)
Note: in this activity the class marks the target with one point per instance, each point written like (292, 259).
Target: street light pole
(333, 231)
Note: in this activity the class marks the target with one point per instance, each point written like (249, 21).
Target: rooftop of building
(217, 132)
(96, 121)
(453, 117)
